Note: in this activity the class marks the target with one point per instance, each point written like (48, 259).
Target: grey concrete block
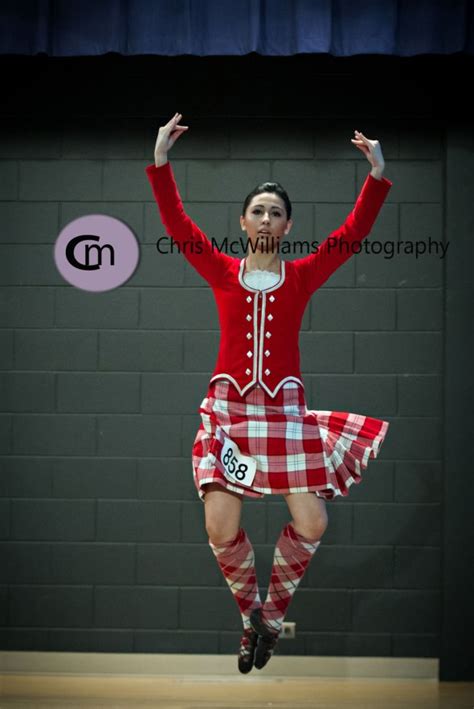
(98, 392)
(9, 179)
(92, 563)
(166, 479)
(28, 265)
(312, 181)
(417, 567)
(418, 480)
(326, 352)
(137, 520)
(348, 644)
(394, 611)
(29, 222)
(184, 309)
(113, 478)
(135, 607)
(140, 435)
(27, 476)
(221, 180)
(53, 180)
(419, 309)
(54, 434)
(60, 349)
(27, 392)
(118, 308)
(51, 606)
(25, 563)
(398, 352)
(419, 395)
(177, 565)
(371, 395)
(359, 309)
(141, 351)
(54, 520)
(6, 349)
(398, 524)
(27, 307)
(412, 180)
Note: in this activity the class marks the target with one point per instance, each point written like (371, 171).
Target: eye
(257, 210)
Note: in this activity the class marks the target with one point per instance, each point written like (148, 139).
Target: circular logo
(96, 252)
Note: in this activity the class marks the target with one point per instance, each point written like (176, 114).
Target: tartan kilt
(296, 449)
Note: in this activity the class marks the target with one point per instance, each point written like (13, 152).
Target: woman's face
(265, 222)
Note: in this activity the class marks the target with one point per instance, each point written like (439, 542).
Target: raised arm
(337, 248)
(193, 243)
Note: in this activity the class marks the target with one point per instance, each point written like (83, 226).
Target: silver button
(272, 298)
(267, 371)
(268, 334)
(249, 353)
(249, 298)
(249, 336)
(270, 317)
(248, 371)
(249, 317)
(267, 352)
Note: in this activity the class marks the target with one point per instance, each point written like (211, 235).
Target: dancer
(256, 434)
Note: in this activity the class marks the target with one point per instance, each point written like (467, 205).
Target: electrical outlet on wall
(288, 631)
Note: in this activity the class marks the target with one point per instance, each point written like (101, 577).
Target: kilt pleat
(296, 449)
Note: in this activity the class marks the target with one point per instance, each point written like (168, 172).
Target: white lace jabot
(261, 279)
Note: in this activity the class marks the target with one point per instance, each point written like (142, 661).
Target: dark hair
(269, 187)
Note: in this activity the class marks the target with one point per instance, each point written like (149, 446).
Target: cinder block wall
(103, 539)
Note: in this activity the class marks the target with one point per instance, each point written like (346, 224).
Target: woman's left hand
(370, 148)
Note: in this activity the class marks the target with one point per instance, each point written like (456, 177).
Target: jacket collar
(264, 290)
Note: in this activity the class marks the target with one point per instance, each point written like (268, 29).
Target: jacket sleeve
(208, 261)
(337, 248)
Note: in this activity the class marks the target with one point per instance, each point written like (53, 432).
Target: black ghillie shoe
(266, 639)
(248, 643)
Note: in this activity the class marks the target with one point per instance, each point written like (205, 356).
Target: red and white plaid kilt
(296, 449)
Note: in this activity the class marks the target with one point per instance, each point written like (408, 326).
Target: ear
(288, 226)
(242, 223)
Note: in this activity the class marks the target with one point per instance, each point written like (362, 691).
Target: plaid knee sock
(237, 562)
(293, 552)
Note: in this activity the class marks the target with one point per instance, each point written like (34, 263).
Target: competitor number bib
(237, 467)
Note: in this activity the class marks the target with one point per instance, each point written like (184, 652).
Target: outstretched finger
(361, 136)
(173, 119)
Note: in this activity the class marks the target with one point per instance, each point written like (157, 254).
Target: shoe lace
(245, 641)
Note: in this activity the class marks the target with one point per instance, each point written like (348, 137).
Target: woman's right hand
(167, 136)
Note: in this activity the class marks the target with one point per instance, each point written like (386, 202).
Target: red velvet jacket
(260, 329)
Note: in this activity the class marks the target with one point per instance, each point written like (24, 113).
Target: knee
(312, 526)
(219, 532)
(222, 513)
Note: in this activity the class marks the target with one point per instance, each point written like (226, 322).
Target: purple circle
(96, 252)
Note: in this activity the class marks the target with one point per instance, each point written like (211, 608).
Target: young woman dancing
(256, 435)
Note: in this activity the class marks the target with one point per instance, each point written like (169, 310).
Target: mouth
(265, 233)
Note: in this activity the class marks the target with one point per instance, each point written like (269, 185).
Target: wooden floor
(229, 692)
(76, 680)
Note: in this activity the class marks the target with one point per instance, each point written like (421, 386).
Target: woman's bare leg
(310, 518)
(223, 509)
(294, 549)
(232, 547)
